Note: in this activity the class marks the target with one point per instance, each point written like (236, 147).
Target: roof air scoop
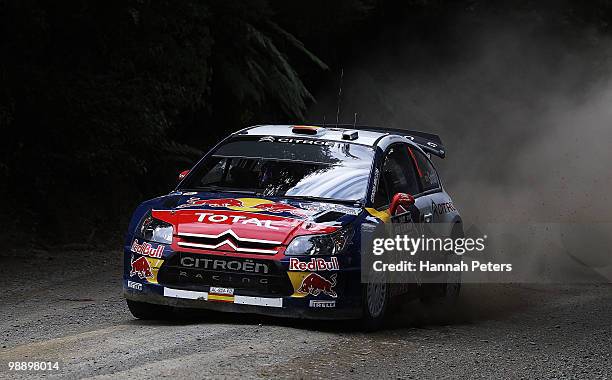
(307, 130)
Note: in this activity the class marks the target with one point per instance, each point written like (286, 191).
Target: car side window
(398, 176)
(398, 172)
(426, 172)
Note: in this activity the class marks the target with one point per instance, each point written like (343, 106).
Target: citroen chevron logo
(228, 242)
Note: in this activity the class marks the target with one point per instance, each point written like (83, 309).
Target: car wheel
(143, 310)
(453, 280)
(444, 295)
(375, 304)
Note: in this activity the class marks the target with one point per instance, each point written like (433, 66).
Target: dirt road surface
(68, 307)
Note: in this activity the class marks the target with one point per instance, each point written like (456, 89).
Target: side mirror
(183, 174)
(402, 200)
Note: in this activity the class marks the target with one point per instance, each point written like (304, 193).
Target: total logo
(247, 204)
(315, 264)
(209, 217)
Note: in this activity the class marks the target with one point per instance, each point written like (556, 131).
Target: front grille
(229, 239)
(263, 278)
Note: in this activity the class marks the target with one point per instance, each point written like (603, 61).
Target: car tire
(452, 287)
(445, 295)
(375, 303)
(148, 311)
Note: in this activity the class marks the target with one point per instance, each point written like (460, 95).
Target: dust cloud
(524, 109)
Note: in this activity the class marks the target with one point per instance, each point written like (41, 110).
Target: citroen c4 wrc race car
(270, 222)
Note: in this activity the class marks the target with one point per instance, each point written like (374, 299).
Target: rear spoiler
(430, 143)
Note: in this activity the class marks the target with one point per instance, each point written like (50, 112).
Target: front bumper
(184, 280)
(307, 307)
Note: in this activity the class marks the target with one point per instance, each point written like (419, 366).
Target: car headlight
(327, 244)
(155, 230)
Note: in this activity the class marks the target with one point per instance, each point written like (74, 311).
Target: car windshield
(286, 166)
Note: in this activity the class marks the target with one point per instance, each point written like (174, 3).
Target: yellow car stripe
(384, 215)
(220, 298)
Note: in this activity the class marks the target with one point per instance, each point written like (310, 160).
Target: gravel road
(69, 308)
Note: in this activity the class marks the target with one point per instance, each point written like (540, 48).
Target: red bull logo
(279, 208)
(315, 284)
(246, 204)
(223, 202)
(315, 264)
(147, 249)
(141, 267)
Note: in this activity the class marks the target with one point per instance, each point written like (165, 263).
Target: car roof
(331, 133)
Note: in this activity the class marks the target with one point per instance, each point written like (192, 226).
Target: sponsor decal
(374, 184)
(292, 140)
(315, 284)
(442, 208)
(315, 264)
(248, 266)
(134, 285)
(279, 208)
(155, 265)
(223, 202)
(330, 207)
(207, 278)
(322, 304)
(221, 294)
(147, 249)
(209, 217)
(141, 267)
(246, 204)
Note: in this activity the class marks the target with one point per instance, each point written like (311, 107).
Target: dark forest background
(102, 103)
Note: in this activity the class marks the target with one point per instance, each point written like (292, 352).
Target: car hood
(221, 221)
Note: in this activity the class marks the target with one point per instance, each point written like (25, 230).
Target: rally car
(270, 222)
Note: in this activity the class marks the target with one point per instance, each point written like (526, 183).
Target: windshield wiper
(323, 199)
(222, 189)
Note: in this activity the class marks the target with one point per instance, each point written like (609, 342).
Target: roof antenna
(355, 120)
(323, 121)
(339, 96)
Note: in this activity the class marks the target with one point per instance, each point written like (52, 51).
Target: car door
(434, 204)
(398, 175)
